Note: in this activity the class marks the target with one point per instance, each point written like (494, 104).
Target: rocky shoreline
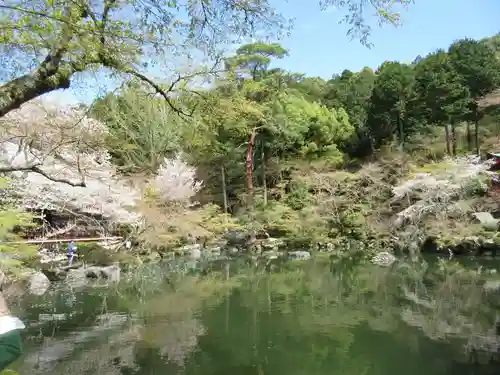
(54, 267)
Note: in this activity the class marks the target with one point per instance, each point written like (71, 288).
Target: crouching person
(10, 339)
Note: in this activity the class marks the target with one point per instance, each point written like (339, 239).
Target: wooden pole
(63, 240)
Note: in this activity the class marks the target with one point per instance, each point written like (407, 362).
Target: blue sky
(319, 46)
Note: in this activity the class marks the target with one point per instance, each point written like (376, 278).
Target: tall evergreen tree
(389, 100)
(440, 97)
(479, 69)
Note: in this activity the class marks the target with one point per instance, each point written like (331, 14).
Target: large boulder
(81, 276)
(38, 284)
(111, 273)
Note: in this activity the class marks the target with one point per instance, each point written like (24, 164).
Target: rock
(469, 245)
(38, 284)
(272, 243)
(492, 286)
(51, 317)
(92, 272)
(383, 258)
(76, 277)
(236, 238)
(55, 274)
(327, 248)
(430, 245)
(299, 255)
(14, 290)
(254, 248)
(219, 242)
(487, 220)
(195, 253)
(81, 276)
(271, 254)
(47, 256)
(489, 246)
(111, 273)
(232, 250)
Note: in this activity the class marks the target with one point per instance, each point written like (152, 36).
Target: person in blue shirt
(71, 252)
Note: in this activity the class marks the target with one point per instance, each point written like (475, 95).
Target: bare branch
(55, 179)
(158, 90)
(165, 92)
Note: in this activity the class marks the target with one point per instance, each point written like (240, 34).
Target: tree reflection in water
(319, 317)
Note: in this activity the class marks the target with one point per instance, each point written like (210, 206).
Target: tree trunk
(51, 75)
(249, 165)
(264, 179)
(454, 140)
(401, 133)
(476, 134)
(224, 187)
(447, 136)
(469, 137)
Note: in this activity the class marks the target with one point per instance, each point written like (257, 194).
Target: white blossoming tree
(176, 181)
(61, 165)
(56, 161)
(170, 213)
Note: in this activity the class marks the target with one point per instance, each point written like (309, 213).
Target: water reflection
(319, 317)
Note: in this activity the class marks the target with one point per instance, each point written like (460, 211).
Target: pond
(315, 317)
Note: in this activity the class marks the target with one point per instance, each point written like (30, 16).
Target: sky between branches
(319, 46)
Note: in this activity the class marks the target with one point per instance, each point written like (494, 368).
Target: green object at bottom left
(10, 350)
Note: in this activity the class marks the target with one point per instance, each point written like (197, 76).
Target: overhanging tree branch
(52, 74)
(36, 169)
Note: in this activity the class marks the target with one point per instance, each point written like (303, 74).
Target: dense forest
(202, 191)
(269, 145)
(241, 145)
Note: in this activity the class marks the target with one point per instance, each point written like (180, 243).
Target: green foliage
(254, 58)
(142, 131)
(13, 253)
(299, 196)
(305, 130)
(477, 66)
(352, 91)
(440, 95)
(66, 37)
(391, 93)
(300, 228)
(477, 186)
(9, 372)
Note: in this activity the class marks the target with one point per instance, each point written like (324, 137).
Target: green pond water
(311, 318)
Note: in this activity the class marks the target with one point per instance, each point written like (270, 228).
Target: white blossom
(63, 144)
(438, 191)
(175, 180)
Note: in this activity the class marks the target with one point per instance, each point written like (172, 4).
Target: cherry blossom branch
(36, 168)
